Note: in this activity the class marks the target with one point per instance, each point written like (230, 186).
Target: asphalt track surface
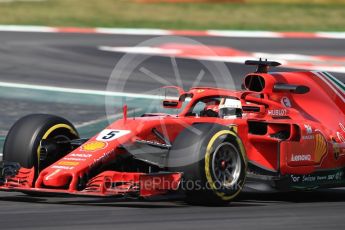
(74, 61)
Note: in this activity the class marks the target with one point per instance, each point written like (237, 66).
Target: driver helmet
(230, 108)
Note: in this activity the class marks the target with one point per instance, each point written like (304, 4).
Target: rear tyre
(213, 162)
(23, 141)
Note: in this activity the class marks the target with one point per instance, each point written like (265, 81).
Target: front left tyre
(23, 141)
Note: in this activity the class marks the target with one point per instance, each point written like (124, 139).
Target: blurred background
(281, 15)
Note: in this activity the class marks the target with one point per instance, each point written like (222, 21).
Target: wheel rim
(51, 133)
(226, 165)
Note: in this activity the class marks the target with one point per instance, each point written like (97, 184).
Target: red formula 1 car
(284, 132)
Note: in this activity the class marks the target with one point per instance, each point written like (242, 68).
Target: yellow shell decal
(68, 163)
(94, 146)
(320, 147)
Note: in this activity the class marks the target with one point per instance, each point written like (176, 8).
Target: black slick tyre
(23, 141)
(213, 161)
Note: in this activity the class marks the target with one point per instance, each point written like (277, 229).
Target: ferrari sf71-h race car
(284, 132)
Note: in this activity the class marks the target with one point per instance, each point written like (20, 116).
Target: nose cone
(57, 179)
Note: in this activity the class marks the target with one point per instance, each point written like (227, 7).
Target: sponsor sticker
(295, 179)
(336, 176)
(308, 137)
(68, 163)
(111, 134)
(300, 157)
(309, 129)
(285, 101)
(80, 155)
(94, 146)
(102, 159)
(74, 159)
(62, 167)
(277, 112)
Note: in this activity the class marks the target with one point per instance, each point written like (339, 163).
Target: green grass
(253, 15)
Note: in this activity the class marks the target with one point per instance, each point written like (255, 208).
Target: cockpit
(199, 103)
(222, 107)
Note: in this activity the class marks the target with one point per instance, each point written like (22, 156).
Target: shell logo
(94, 146)
(320, 147)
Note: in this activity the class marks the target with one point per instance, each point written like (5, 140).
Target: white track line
(332, 35)
(255, 34)
(78, 91)
(37, 29)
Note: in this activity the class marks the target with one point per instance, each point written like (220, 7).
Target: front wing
(106, 184)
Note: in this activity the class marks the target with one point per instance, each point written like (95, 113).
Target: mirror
(172, 104)
(172, 95)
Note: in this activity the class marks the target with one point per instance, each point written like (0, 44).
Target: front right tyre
(213, 161)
